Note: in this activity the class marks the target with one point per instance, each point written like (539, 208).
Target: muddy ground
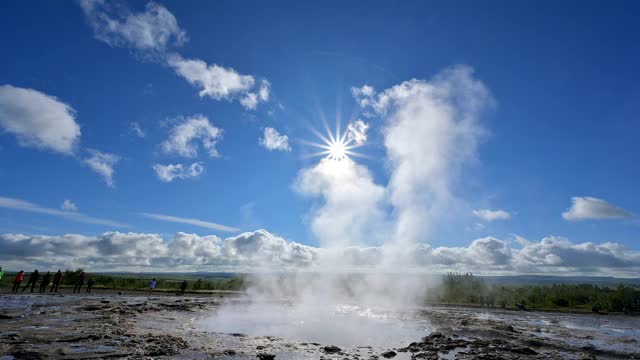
(108, 325)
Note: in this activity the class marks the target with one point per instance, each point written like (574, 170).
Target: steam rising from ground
(431, 129)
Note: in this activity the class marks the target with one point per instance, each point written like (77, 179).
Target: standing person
(33, 278)
(46, 279)
(152, 284)
(89, 286)
(17, 281)
(57, 278)
(183, 287)
(79, 283)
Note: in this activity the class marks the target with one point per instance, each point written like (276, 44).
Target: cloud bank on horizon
(262, 251)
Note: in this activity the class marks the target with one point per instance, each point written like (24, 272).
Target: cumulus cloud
(154, 29)
(137, 130)
(168, 173)
(38, 120)
(218, 82)
(68, 205)
(69, 211)
(357, 131)
(103, 164)
(589, 208)
(262, 250)
(153, 32)
(190, 221)
(431, 129)
(273, 140)
(185, 137)
(491, 215)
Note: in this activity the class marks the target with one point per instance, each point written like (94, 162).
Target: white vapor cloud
(168, 173)
(38, 120)
(155, 29)
(68, 205)
(351, 212)
(357, 131)
(432, 129)
(195, 222)
(218, 82)
(68, 212)
(589, 208)
(273, 140)
(184, 137)
(491, 215)
(262, 250)
(103, 164)
(137, 130)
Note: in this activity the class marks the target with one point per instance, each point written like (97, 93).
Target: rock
(389, 354)
(266, 356)
(523, 350)
(238, 335)
(332, 349)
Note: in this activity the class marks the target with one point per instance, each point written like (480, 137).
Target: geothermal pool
(353, 325)
(341, 324)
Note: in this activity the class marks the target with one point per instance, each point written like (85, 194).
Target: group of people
(52, 281)
(48, 280)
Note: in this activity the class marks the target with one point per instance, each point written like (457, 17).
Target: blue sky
(559, 119)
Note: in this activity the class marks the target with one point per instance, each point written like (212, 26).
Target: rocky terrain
(109, 325)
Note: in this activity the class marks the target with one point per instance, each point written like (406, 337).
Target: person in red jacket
(57, 278)
(17, 281)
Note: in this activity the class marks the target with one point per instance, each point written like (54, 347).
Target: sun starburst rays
(335, 145)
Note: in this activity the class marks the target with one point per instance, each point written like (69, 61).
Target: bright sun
(337, 150)
(336, 146)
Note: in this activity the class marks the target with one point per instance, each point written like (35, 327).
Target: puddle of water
(341, 325)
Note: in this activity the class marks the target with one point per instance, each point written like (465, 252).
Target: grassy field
(455, 289)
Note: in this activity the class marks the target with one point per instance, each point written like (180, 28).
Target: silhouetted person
(57, 278)
(33, 278)
(89, 285)
(183, 287)
(46, 279)
(17, 281)
(152, 284)
(79, 283)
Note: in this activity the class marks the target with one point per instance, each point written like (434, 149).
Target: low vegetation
(469, 289)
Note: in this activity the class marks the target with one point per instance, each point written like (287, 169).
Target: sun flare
(336, 146)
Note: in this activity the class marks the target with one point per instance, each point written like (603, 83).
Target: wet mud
(142, 326)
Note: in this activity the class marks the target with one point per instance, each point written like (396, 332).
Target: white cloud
(168, 173)
(68, 205)
(155, 29)
(220, 83)
(102, 163)
(273, 140)
(136, 129)
(589, 208)
(38, 120)
(357, 131)
(190, 221)
(491, 215)
(262, 250)
(184, 137)
(432, 129)
(68, 212)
